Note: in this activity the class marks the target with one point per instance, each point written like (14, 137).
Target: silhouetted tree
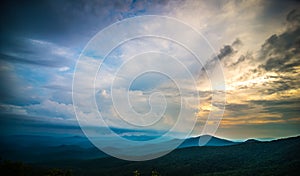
(136, 173)
(59, 172)
(154, 173)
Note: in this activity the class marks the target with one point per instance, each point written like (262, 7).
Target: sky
(256, 44)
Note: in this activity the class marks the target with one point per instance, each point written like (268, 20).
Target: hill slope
(29, 148)
(280, 157)
(206, 140)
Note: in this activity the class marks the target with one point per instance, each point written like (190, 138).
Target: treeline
(12, 168)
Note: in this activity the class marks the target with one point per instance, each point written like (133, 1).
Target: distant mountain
(36, 140)
(276, 158)
(48, 148)
(206, 140)
(34, 148)
(252, 141)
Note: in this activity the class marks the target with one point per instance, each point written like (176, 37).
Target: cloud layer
(257, 43)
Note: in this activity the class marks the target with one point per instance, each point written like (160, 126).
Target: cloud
(52, 109)
(225, 51)
(269, 93)
(37, 71)
(237, 107)
(237, 42)
(62, 69)
(280, 52)
(46, 108)
(36, 52)
(294, 17)
(257, 42)
(68, 23)
(241, 59)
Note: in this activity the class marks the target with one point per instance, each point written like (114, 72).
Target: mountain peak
(252, 141)
(206, 140)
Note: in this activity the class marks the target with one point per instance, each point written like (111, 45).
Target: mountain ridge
(233, 160)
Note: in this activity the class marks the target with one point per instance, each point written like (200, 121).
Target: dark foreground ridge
(279, 157)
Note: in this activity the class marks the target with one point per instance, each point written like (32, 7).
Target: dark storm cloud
(280, 55)
(228, 50)
(225, 51)
(63, 23)
(237, 42)
(293, 17)
(284, 84)
(237, 107)
(278, 67)
(278, 51)
(241, 59)
(281, 52)
(59, 18)
(68, 22)
(287, 108)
